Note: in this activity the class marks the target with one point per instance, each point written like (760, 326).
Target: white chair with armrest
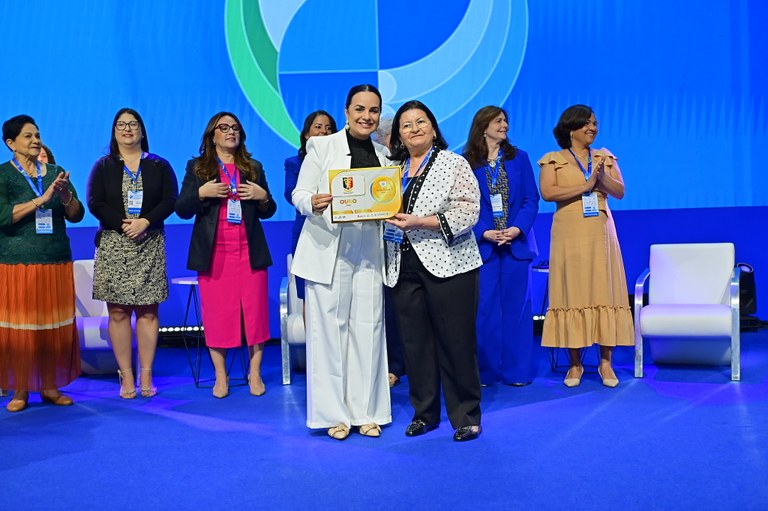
(291, 321)
(692, 316)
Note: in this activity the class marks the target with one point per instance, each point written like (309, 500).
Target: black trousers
(438, 334)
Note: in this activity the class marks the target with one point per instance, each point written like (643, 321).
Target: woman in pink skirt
(227, 193)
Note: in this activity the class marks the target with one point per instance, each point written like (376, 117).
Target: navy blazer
(206, 213)
(521, 210)
(105, 191)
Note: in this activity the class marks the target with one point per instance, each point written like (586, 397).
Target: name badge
(234, 212)
(393, 233)
(589, 204)
(44, 221)
(134, 201)
(497, 206)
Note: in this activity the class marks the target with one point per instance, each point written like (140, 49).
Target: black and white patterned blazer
(449, 191)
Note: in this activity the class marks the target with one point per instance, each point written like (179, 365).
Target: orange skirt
(39, 348)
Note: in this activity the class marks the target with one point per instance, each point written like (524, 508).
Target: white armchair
(291, 320)
(92, 321)
(692, 316)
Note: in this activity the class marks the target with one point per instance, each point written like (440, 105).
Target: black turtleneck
(363, 153)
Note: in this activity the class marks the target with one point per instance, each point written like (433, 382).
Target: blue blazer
(521, 210)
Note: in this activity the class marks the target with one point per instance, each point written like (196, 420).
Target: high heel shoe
(257, 389)
(18, 402)
(147, 391)
(58, 399)
(574, 382)
(608, 382)
(122, 375)
(219, 394)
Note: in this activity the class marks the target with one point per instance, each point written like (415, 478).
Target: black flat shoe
(419, 427)
(466, 433)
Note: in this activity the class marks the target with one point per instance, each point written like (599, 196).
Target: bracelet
(35, 203)
(66, 204)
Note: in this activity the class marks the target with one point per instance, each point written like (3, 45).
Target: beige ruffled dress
(588, 300)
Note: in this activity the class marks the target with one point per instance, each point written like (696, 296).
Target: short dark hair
(12, 127)
(114, 150)
(396, 147)
(573, 118)
(308, 122)
(366, 87)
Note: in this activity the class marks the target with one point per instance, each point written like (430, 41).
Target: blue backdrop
(679, 89)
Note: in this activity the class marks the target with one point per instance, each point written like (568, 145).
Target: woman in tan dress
(588, 300)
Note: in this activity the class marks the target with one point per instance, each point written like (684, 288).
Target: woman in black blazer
(131, 192)
(227, 193)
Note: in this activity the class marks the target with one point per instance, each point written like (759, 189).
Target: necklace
(585, 157)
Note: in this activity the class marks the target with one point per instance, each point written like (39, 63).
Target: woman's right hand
(592, 181)
(60, 181)
(320, 201)
(213, 190)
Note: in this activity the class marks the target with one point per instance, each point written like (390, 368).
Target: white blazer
(450, 191)
(318, 245)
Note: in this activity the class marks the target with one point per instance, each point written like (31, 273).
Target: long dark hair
(207, 165)
(476, 150)
(308, 122)
(114, 149)
(573, 118)
(396, 147)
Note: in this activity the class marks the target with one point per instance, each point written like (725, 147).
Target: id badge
(393, 233)
(234, 212)
(497, 206)
(134, 201)
(44, 221)
(589, 204)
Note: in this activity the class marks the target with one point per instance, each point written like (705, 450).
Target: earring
(346, 126)
(485, 135)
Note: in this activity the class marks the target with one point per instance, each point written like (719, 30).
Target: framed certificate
(365, 194)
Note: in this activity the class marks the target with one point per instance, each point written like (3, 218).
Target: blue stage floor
(680, 438)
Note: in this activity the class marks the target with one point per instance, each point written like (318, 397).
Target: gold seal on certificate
(365, 194)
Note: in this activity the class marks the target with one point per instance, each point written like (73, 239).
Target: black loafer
(419, 427)
(466, 433)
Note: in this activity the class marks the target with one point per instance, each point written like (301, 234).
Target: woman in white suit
(432, 267)
(342, 264)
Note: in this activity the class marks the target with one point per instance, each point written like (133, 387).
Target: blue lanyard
(406, 179)
(39, 189)
(588, 171)
(232, 178)
(495, 171)
(134, 178)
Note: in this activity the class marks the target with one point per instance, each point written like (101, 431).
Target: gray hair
(384, 129)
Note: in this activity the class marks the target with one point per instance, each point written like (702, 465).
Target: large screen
(678, 87)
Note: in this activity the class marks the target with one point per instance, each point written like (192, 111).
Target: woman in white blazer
(342, 264)
(432, 267)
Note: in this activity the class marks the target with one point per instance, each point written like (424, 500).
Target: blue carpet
(680, 438)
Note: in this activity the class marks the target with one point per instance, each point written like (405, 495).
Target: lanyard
(39, 189)
(588, 171)
(406, 179)
(232, 178)
(134, 178)
(495, 171)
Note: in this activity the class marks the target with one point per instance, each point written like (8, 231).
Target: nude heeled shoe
(608, 382)
(147, 391)
(574, 382)
(125, 394)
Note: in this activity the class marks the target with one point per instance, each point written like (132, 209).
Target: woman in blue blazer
(508, 206)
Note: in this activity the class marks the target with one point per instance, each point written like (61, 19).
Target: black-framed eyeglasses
(224, 128)
(122, 125)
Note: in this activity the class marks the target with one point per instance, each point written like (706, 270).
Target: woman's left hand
(509, 234)
(251, 191)
(61, 187)
(135, 228)
(405, 221)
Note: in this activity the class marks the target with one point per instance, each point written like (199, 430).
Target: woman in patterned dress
(38, 337)
(588, 301)
(131, 192)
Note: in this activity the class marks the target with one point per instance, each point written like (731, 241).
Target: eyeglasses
(122, 125)
(591, 123)
(224, 128)
(408, 127)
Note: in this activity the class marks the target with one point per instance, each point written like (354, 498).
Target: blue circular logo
(296, 56)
